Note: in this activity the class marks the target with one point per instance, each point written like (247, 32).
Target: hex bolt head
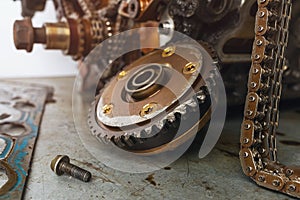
(61, 164)
(24, 34)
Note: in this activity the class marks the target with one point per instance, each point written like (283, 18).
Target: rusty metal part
(142, 10)
(25, 35)
(258, 153)
(21, 109)
(61, 164)
(29, 7)
(74, 37)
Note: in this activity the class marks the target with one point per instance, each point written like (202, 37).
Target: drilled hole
(3, 177)
(24, 106)
(4, 116)
(12, 129)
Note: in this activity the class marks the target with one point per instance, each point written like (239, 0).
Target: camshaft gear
(159, 99)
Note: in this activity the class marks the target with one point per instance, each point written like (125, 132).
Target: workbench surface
(217, 176)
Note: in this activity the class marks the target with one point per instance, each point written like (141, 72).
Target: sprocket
(158, 99)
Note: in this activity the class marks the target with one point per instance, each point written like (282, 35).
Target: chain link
(258, 153)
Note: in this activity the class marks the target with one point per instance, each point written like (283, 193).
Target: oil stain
(290, 143)
(150, 179)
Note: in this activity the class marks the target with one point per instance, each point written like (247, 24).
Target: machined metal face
(150, 80)
(152, 96)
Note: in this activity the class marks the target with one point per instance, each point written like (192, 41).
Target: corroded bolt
(61, 164)
(25, 35)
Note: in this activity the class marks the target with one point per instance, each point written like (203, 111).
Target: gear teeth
(81, 48)
(160, 125)
(155, 130)
(169, 122)
(171, 118)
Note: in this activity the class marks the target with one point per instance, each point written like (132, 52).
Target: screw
(190, 68)
(148, 109)
(107, 109)
(61, 164)
(169, 51)
(122, 74)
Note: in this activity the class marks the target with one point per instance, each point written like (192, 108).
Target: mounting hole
(24, 106)
(4, 116)
(12, 129)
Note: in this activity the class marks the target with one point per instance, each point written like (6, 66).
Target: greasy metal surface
(187, 178)
(21, 109)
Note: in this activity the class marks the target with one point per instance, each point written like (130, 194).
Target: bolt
(148, 109)
(25, 35)
(190, 68)
(107, 109)
(61, 164)
(169, 51)
(122, 74)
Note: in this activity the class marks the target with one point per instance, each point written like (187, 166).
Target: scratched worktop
(217, 176)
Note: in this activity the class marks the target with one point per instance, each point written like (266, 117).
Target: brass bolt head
(56, 162)
(107, 109)
(169, 51)
(190, 68)
(24, 34)
(122, 74)
(148, 109)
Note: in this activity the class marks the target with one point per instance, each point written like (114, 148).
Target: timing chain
(258, 153)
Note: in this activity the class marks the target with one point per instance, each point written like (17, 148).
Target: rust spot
(150, 179)
(290, 143)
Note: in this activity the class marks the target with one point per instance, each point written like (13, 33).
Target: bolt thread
(75, 172)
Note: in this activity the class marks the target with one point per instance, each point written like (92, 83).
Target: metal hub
(143, 106)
